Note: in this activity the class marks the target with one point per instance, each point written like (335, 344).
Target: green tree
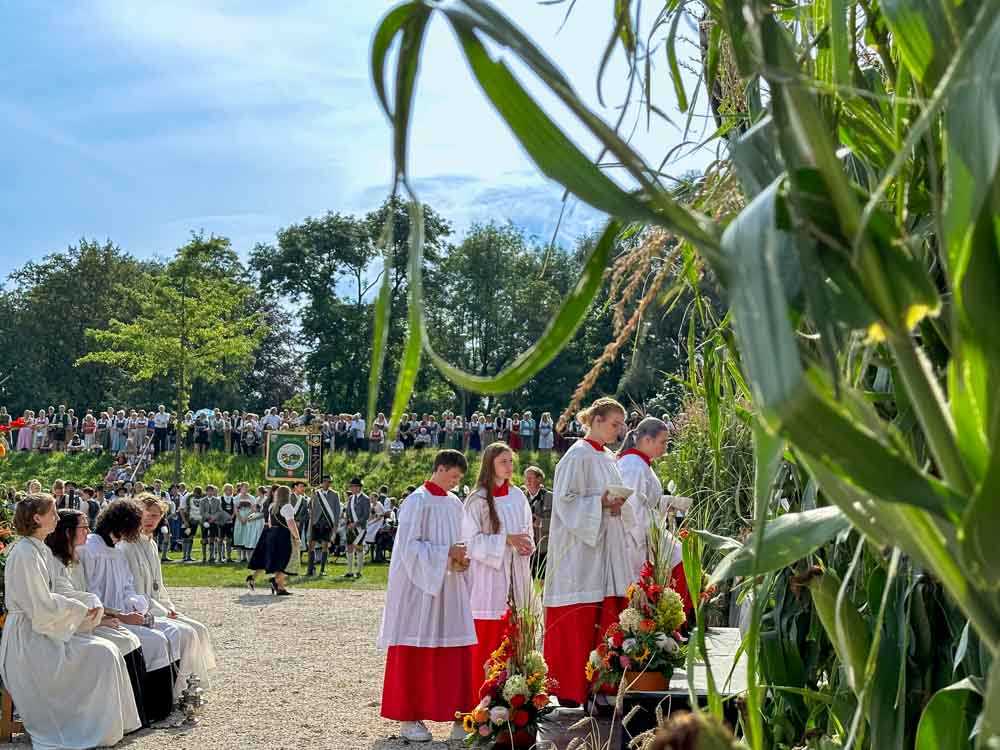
(192, 324)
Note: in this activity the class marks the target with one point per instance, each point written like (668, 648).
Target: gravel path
(294, 672)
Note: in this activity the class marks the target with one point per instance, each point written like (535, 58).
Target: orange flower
(541, 700)
(647, 626)
(480, 715)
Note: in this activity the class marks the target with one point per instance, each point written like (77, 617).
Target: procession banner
(293, 457)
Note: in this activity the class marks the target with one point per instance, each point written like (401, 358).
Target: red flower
(517, 701)
(684, 533)
(647, 626)
(541, 701)
(617, 639)
(520, 717)
(647, 570)
(503, 739)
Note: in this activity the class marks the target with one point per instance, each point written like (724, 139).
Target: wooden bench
(8, 726)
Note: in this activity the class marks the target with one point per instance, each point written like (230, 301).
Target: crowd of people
(125, 432)
(93, 646)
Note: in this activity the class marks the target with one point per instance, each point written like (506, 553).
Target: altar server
(497, 529)
(66, 578)
(147, 577)
(427, 624)
(588, 566)
(643, 445)
(71, 690)
(108, 575)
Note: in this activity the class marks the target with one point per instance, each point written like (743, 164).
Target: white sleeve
(50, 614)
(484, 546)
(425, 561)
(581, 514)
(287, 512)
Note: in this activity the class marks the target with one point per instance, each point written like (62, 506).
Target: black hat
(325, 478)
(356, 480)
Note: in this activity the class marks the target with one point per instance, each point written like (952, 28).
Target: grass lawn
(232, 575)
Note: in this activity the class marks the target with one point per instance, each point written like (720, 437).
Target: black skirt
(136, 666)
(273, 550)
(158, 693)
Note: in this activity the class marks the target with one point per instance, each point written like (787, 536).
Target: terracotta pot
(646, 681)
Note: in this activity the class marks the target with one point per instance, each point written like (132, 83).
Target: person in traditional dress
(245, 508)
(227, 523)
(277, 554)
(357, 511)
(540, 500)
(71, 688)
(324, 519)
(108, 575)
(144, 563)
(643, 445)
(546, 437)
(376, 520)
(496, 527)
(67, 578)
(588, 567)
(427, 624)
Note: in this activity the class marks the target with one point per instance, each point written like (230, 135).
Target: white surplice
(107, 574)
(71, 689)
(646, 502)
(71, 582)
(197, 654)
(426, 604)
(493, 560)
(588, 552)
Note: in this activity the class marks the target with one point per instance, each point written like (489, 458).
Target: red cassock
(571, 633)
(489, 633)
(430, 684)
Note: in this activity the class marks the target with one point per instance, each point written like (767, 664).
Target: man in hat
(300, 505)
(358, 509)
(324, 519)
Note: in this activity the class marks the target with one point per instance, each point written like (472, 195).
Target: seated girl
(70, 687)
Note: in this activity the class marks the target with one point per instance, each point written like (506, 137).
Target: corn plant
(861, 265)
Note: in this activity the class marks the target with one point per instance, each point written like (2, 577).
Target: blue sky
(143, 121)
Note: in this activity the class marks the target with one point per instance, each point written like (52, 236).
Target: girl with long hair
(588, 567)
(496, 527)
(277, 554)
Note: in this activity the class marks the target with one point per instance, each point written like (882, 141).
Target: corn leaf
(410, 364)
(947, 719)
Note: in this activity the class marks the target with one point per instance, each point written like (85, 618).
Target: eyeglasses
(84, 526)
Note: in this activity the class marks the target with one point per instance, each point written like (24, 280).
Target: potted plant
(516, 691)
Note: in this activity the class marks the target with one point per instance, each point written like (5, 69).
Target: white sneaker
(415, 731)
(457, 731)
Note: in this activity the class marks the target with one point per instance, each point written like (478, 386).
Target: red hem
(426, 684)
(571, 633)
(489, 634)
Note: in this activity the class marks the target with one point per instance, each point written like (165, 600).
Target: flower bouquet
(516, 691)
(644, 647)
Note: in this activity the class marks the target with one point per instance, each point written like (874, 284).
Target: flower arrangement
(645, 639)
(516, 691)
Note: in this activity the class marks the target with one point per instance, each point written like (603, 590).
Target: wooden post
(8, 726)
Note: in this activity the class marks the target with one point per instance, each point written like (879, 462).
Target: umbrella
(203, 413)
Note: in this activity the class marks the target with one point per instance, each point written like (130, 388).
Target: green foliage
(233, 576)
(17, 469)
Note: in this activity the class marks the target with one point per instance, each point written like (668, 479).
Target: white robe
(375, 524)
(72, 690)
(197, 654)
(72, 583)
(108, 575)
(588, 551)
(493, 560)
(426, 604)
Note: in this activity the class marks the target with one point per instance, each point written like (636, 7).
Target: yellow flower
(468, 724)
(589, 671)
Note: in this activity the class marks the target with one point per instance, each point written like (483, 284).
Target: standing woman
(475, 434)
(496, 527)
(66, 578)
(144, 563)
(41, 429)
(515, 432)
(546, 439)
(71, 691)
(643, 445)
(25, 434)
(278, 551)
(588, 566)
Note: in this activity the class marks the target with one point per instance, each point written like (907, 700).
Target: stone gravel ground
(294, 672)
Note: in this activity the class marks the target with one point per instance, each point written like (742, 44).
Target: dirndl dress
(276, 552)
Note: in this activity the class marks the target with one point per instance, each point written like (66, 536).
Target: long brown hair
(487, 479)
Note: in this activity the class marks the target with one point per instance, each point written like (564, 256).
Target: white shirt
(426, 604)
(646, 504)
(161, 419)
(493, 560)
(273, 421)
(588, 552)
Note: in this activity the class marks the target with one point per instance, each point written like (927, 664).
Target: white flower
(484, 703)
(499, 714)
(666, 643)
(595, 660)
(628, 645)
(629, 619)
(516, 685)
